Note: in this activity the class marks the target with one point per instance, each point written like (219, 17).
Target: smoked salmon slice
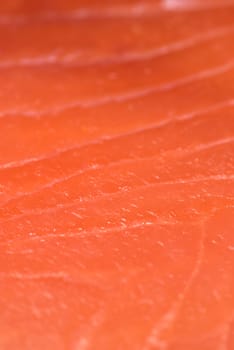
(117, 175)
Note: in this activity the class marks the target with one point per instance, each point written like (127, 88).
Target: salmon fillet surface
(117, 175)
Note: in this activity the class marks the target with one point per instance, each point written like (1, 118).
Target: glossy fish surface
(117, 175)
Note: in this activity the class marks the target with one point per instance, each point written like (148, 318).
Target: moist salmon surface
(117, 175)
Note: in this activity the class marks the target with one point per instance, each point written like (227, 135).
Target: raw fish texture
(117, 175)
